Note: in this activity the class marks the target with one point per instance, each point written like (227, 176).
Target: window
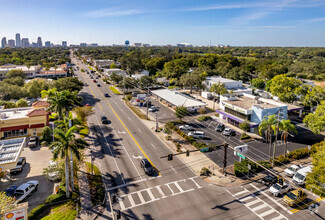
(238, 114)
(15, 133)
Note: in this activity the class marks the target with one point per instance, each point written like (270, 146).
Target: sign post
(240, 151)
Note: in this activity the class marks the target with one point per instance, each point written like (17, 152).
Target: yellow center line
(305, 205)
(135, 141)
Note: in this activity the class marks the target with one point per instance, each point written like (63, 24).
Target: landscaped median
(136, 111)
(96, 186)
(114, 89)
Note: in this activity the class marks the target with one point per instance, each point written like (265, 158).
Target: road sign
(249, 166)
(242, 156)
(206, 149)
(242, 149)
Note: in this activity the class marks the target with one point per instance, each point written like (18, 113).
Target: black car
(147, 167)
(220, 127)
(104, 119)
(269, 180)
(98, 85)
(106, 95)
(20, 166)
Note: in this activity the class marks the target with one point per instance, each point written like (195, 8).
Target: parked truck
(24, 190)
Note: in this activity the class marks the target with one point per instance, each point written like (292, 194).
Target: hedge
(204, 118)
(299, 153)
(241, 168)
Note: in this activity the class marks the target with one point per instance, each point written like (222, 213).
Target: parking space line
(173, 169)
(139, 130)
(153, 146)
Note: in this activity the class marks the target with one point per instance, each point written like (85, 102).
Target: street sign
(240, 155)
(206, 149)
(242, 149)
(249, 166)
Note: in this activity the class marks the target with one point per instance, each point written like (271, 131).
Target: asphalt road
(174, 192)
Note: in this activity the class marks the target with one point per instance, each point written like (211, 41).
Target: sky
(160, 22)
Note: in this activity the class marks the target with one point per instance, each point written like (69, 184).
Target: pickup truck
(25, 190)
(20, 166)
(295, 197)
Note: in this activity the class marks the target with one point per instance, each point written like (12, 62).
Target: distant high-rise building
(137, 44)
(83, 45)
(94, 45)
(146, 45)
(11, 43)
(64, 44)
(47, 43)
(3, 42)
(18, 42)
(39, 42)
(25, 42)
(33, 44)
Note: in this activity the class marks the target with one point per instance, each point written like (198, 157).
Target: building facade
(47, 43)
(229, 84)
(18, 42)
(25, 42)
(11, 43)
(64, 44)
(3, 42)
(39, 42)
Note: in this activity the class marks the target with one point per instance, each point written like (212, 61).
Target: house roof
(36, 112)
(178, 99)
(40, 104)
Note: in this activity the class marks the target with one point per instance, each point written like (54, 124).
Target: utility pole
(224, 158)
(147, 103)
(156, 121)
(276, 136)
(124, 86)
(71, 161)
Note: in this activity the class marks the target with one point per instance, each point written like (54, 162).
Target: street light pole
(276, 136)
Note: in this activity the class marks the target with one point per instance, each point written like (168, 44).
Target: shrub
(202, 111)
(299, 153)
(36, 211)
(217, 115)
(280, 160)
(245, 126)
(129, 97)
(204, 118)
(241, 168)
(168, 138)
(205, 172)
(244, 136)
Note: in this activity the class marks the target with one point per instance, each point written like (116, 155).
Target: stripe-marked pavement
(306, 205)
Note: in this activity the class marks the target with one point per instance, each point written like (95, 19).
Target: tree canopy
(316, 121)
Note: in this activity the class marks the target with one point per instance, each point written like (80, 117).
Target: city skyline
(234, 22)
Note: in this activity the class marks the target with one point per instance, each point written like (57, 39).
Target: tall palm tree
(71, 99)
(56, 101)
(267, 126)
(286, 127)
(219, 89)
(65, 142)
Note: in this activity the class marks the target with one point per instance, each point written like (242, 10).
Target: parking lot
(36, 159)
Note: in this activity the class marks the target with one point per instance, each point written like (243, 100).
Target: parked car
(104, 119)
(300, 177)
(220, 127)
(269, 180)
(153, 109)
(228, 132)
(196, 134)
(278, 189)
(25, 190)
(33, 141)
(186, 127)
(147, 167)
(292, 170)
(106, 95)
(10, 191)
(295, 197)
(20, 165)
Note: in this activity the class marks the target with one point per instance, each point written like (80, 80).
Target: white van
(196, 134)
(300, 177)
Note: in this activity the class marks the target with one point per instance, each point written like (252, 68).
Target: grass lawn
(114, 90)
(65, 211)
(96, 186)
(136, 110)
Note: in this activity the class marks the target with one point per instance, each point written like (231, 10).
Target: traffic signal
(187, 153)
(170, 157)
(118, 214)
(280, 180)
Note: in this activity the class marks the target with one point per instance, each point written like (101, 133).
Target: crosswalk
(259, 207)
(152, 194)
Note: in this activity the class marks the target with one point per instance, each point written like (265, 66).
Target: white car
(153, 109)
(196, 134)
(292, 170)
(186, 127)
(278, 189)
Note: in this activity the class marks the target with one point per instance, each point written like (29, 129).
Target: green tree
(46, 135)
(181, 112)
(113, 66)
(175, 68)
(116, 78)
(7, 203)
(286, 127)
(191, 80)
(219, 89)
(34, 88)
(84, 112)
(286, 88)
(146, 82)
(258, 83)
(245, 126)
(71, 99)
(15, 73)
(316, 121)
(21, 103)
(68, 83)
(267, 126)
(56, 101)
(65, 142)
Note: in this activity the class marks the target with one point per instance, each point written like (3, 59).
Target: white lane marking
(109, 147)
(210, 123)
(153, 146)
(151, 195)
(241, 192)
(259, 207)
(121, 132)
(129, 118)
(131, 200)
(178, 187)
(141, 197)
(128, 155)
(192, 178)
(138, 157)
(139, 130)
(121, 204)
(122, 110)
(273, 200)
(170, 189)
(253, 202)
(115, 102)
(268, 212)
(173, 168)
(160, 192)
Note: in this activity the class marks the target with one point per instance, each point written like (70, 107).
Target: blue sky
(233, 22)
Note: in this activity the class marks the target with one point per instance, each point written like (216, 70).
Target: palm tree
(71, 99)
(286, 127)
(219, 89)
(56, 100)
(65, 142)
(267, 126)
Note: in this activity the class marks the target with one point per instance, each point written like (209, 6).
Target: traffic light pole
(111, 206)
(225, 158)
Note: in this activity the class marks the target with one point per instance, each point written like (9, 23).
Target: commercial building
(108, 72)
(229, 84)
(184, 45)
(11, 43)
(64, 44)
(238, 108)
(25, 42)
(18, 42)
(102, 63)
(10, 151)
(3, 42)
(18, 122)
(30, 72)
(175, 99)
(47, 43)
(83, 45)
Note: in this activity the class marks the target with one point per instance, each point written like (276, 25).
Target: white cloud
(113, 12)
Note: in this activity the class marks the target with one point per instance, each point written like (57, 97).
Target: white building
(108, 72)
(29, 72)
(175, 99)
(229, 84)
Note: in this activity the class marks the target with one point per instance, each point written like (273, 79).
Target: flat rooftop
(10, 150)
(13, 113)
(247, 103)
(219, 79)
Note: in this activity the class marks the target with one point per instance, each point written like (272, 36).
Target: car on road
(228, 132)
(147, 167)
(220, 127)
(295, 197)
(10, 191)
(33, 141)
(20, 166)
(186, 127)
(24, 190)
(278, 189)
(106, 95)
(153, 109)
(98, 85)
(86, 84)
(292, 170)
(269, 180)
(94, 80)
(91, 77)
(87, 104)
(104, 119)
(196, 134)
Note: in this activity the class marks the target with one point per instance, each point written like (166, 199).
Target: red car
(94, 81)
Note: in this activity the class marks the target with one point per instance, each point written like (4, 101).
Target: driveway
(36, 159)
